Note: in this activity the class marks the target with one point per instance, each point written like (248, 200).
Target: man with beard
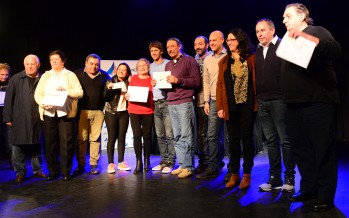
(185, 78)
(201, 50)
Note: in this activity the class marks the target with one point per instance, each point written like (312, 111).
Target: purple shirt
(187, 72)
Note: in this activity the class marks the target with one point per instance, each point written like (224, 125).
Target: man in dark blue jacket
(21, 113)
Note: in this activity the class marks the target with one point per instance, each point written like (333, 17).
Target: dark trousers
(59, 130)
(202, 126)
(117, 125)
(240, 131)
(5, 146)
(312, 132)
(142, 126)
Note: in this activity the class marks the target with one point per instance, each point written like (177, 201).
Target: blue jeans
(216, 153)
(182, 119)
(19, 153)
(163, 129)
(272, 116)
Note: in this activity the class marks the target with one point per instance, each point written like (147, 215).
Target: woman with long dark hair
(116, 117)
(237, 104)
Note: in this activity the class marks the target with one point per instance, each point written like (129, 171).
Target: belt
(160, 101)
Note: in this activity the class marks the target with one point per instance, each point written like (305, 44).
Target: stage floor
(153, 194)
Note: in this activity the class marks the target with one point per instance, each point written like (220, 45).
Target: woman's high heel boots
(147, 164)
(139, 166)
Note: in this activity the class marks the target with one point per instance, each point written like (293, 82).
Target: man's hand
(207, 108)
(172, 79)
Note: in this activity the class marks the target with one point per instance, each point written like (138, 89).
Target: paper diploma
(2, 98)
(297, 51)
(161, 81)
(138, 93)
(56, 98)
(118, 85)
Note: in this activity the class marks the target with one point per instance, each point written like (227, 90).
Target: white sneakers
(111, 168)
(123, 166)
(164, 167)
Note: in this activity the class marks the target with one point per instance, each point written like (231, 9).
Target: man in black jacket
(90, 106)
(21, 114)
(272, 109)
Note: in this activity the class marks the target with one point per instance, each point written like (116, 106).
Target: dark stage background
(122, 30)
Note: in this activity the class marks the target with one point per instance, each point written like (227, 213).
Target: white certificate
(119, 85)
(138, 93)
(56, 98)
(161, 81)
(2, 98)
(297, 51)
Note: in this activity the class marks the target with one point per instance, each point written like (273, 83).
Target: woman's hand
(153, 82)
(127, 96)
(221, 114)
(110, 86)
(46, 107)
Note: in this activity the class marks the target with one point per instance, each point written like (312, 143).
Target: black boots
(147, 164)
(139, 166)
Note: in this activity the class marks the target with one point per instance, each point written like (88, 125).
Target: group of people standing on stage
(230, 86)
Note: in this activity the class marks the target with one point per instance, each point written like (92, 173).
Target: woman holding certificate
(141, 110)
(55, 86)
(116, 116)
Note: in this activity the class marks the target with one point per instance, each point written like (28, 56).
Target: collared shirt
(265, 48)
(211, 75)
(200, 92)
(158, 93)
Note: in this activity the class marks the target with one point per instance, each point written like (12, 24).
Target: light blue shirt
(158, 93)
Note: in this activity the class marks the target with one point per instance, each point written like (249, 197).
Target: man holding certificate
(5, 147)
(185, 78)
(162, 119)
(311, 95)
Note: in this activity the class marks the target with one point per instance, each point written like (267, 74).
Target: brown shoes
(245, 182)
(177, 171)
(19, 178)
(234, 181)
(40, 174)
(185, 173)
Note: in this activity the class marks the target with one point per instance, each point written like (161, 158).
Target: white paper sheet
(56, 98)
(2, 98)
(120, 85)
(138, 93)
(297, 51)
(161, 81)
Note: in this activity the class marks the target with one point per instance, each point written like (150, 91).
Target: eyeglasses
(230, 40)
